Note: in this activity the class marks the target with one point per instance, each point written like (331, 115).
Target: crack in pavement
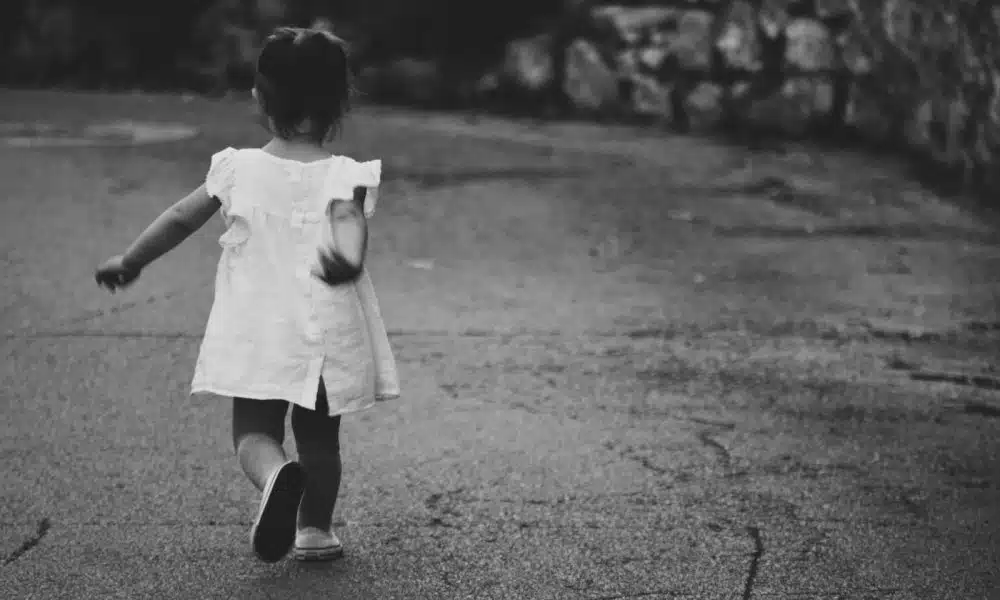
(646, 462)
(629, 453)
(852, 593)
(432, 501)
(719, 449)
(807, 471)
(758, 552)
(720, 424)
(667, 593)
(43, 528)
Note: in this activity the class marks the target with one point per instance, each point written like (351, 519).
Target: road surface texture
(634, 365)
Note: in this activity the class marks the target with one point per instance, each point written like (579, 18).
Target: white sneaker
(274, 528)
(312, 544)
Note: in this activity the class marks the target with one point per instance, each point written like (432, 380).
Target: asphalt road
(633, 367)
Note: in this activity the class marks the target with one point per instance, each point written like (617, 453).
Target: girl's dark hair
(303, 76)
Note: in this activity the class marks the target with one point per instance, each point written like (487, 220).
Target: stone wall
(900, 72)
(921, 73)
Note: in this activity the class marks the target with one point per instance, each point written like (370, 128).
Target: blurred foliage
(113, 43)
(91, 42)
(449, 30)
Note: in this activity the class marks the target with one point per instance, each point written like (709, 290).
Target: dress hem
(218, 391)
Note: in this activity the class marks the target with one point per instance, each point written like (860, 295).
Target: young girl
(295, 319)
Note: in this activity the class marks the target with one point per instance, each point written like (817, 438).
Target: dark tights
(258, 438)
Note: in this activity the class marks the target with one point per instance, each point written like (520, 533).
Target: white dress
(274, 329)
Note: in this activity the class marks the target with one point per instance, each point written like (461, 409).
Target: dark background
(437, 53)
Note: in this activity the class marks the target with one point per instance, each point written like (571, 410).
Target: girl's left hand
(345, 243)
(114, 275)
(335, 270)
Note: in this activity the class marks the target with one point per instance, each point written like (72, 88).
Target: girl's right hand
(114, 275)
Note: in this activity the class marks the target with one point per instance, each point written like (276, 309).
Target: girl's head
(303, 83)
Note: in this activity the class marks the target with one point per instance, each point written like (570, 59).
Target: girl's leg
(258, 435)
(317, 437)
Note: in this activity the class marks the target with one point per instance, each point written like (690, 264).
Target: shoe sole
(318, 554)
(273, 532)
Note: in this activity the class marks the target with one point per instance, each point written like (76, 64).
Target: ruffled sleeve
(221, 175)
(350, 174)
(369, 175)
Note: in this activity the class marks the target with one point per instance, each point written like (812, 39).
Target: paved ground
(634, 368)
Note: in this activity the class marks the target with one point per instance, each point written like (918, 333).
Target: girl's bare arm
(171, 228)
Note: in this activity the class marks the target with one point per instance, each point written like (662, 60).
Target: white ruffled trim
(370, 176)
(349, 174)
(221, 176)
